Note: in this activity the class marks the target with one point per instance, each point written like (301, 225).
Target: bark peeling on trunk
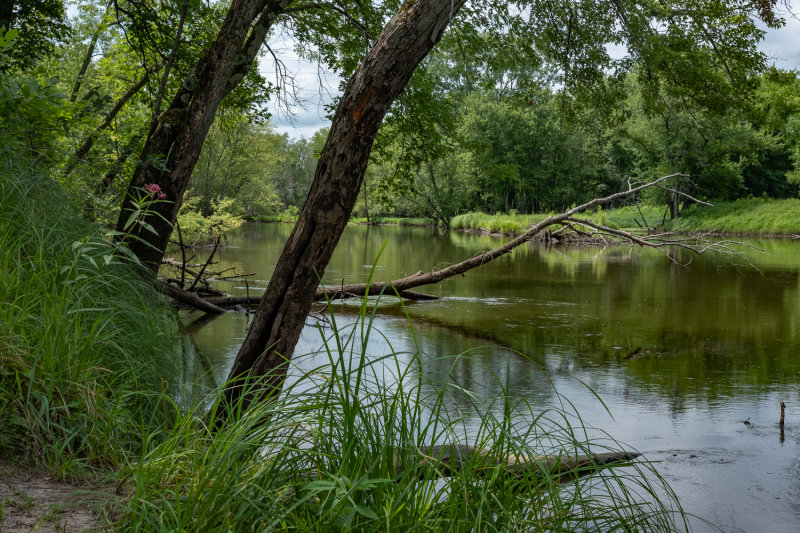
(383, 74)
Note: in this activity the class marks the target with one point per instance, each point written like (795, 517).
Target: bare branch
(685, 195)
(403, 286)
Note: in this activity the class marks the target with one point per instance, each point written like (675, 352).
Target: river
(680, 355)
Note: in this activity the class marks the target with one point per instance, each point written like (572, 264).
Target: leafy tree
(776, 172)
(238, 161)
(37, 21)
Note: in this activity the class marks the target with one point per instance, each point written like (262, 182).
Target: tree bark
(380, 78)
(176, 138)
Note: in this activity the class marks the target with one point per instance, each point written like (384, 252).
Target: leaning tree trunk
(176, 138)
(380, 78)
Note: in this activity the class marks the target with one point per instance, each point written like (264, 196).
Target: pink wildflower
(154, 190)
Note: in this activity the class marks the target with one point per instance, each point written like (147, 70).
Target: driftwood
(333, 293)
(448, 459)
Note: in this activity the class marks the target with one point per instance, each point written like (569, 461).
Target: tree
(176, 137)
(383, 74)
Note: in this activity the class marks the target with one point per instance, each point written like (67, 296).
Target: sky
(782, 47)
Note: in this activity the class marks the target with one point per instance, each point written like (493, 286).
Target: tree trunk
(380, 78)
(176, 138)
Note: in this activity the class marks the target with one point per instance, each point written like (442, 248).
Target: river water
(668, 359)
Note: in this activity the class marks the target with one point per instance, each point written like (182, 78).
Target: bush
(198, 229)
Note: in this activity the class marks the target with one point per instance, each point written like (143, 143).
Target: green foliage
(198, 229)
(37, 21)
(86, 346)
(30, 107)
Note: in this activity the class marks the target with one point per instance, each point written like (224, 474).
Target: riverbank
(745, 217)
(94, 384)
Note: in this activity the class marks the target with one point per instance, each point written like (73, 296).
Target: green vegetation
(756, 216)
(88, 381)
(395, 221)
(513, 224)
(501, 123)
(87, 347)
(327, 455)
(498, 223)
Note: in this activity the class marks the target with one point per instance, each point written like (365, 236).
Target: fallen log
(337, 293)
(447, 459)
(189, 298)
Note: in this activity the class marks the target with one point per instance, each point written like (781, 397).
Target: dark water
(680, 355)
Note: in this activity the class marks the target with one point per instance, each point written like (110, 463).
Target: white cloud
(308, 88)
(782, 45)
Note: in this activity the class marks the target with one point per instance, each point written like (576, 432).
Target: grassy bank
(510, 224)
(86, 347)
(395, 221)
(751, 216)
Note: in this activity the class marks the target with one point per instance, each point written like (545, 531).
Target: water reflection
(670, 359)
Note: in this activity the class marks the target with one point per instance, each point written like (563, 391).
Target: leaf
(131, 219)
(320, 485)
(148, 227)
(366, 511)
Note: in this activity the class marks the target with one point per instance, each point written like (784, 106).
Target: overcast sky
(782, 46)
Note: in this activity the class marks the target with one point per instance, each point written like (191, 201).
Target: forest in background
(489, 124)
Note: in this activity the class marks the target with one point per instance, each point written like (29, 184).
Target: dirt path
(34, 501)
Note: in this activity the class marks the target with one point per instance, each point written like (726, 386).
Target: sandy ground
(34, 501)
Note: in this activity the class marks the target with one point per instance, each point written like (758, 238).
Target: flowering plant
(155, 191)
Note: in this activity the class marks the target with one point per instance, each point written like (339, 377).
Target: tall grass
(507, 224)
(86, 347)
(343, 448)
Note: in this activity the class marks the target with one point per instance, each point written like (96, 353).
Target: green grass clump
(86, 349)
(342, 448)
(756, 216)
(510, 224)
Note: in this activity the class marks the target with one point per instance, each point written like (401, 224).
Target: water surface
(680, 355)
